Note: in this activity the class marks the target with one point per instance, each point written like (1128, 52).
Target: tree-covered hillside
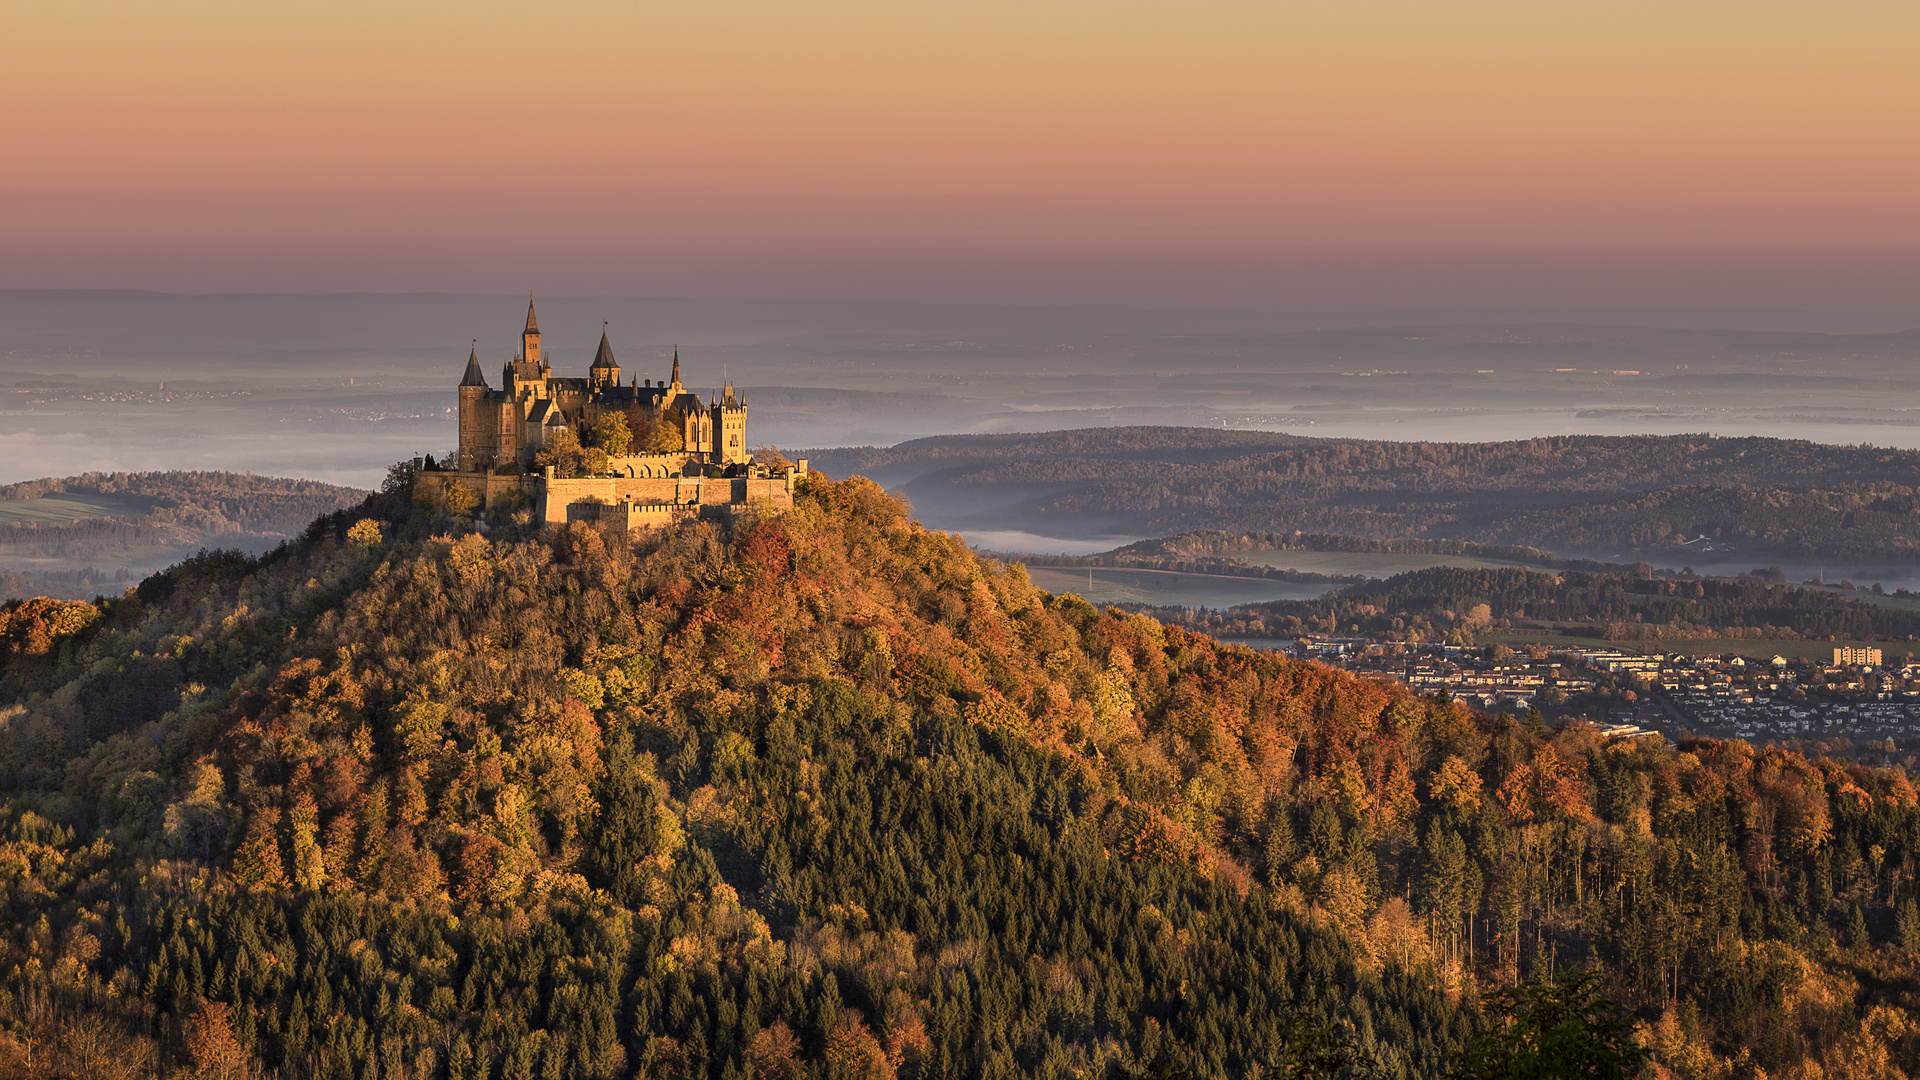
(830, 796)
(1606, 496)
(81, 536)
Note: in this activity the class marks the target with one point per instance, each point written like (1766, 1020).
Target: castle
(510, 425)
(521, 445)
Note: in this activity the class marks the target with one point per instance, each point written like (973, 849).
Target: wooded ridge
(829, 795)
(1603, 496)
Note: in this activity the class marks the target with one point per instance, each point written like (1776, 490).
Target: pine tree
(1280, 845)
(1910, 927)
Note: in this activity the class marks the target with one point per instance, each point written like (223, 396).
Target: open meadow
(72, 506)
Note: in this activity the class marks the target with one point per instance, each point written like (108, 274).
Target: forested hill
(830, 796)
(79, 536)
(1602, 496)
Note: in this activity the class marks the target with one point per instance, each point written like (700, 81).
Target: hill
(831, 796)
(1605, 496)
(79, 536)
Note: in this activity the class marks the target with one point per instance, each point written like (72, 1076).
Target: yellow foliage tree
(610, 433)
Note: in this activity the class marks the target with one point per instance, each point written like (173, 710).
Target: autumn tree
(216, 1052)
(610, 433)
(662, 435)
(562, 451)
(460, 499)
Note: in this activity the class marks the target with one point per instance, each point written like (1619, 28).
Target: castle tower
(530, 337)
(729, 427)
(605, 372)
(476, 441)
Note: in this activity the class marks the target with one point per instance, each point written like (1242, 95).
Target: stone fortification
(696, 463)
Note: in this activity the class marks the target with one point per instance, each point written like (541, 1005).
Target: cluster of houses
(1777, 698)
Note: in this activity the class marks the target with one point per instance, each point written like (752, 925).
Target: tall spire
(676, 365)
(474, 378)
(530, 337)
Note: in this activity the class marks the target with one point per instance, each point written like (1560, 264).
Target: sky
(1480, 155)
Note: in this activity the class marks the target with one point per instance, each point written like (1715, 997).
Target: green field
(1120, 585)
(72, 507)
(1380, 564)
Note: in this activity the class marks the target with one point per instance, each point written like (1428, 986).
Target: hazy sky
(1356, 154)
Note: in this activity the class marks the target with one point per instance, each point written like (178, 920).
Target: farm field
(1121, 585)
(72, 506)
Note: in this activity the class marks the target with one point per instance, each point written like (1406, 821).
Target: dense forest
(153, 519)
(828, 795)
(1604, 496)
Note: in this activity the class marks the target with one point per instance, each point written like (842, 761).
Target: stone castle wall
(612, 501)
(567, 500)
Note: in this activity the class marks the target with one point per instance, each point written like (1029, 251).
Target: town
(1853, 699)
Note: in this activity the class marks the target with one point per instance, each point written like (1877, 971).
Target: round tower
(475, 432)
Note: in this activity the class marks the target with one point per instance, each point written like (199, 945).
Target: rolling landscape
(861, 541)
(99, 533)
(1685, 498)
(829, 793)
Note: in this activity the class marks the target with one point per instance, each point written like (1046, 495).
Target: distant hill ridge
(1608, 497)
(122, 525)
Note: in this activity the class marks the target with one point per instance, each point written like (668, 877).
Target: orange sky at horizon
(419, 145)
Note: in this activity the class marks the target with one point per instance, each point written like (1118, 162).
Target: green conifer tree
(1910, 927)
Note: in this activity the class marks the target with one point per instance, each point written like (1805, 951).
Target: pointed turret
(676, 365)
(533, 324)
(477, 443)
(474, 378)
(605, 371)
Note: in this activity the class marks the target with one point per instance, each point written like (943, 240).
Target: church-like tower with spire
(505, 428)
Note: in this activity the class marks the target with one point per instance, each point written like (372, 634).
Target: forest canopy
(827, 794)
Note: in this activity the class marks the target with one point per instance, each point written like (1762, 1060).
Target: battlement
(640, 502)
(623, 502)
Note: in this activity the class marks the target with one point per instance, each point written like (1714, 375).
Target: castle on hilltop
(549, 442)
(511, 424)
